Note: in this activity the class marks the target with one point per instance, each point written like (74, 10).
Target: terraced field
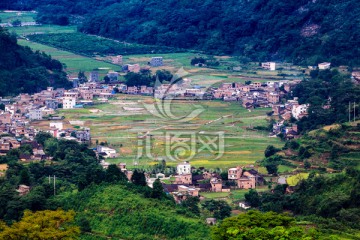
(142, 139)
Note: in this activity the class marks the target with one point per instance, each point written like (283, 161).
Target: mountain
(302, 31)
(25, 71)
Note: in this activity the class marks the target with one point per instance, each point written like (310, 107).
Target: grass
(25, 16)
(74, 63)
(42, 29)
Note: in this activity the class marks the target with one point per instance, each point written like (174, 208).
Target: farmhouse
(324, 65)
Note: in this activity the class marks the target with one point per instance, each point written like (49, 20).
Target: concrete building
(35, 114)
(299, 111)
(69, 102)
(325, 65)
(133, 68)
(106, 152)
(117, 60)
(51, 103)
(183, 168)
(84, 135)
(113, 76)
(269, 66)
(94, 76)
(156, 61)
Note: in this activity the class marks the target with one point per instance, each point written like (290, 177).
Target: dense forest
(304, 32)
(25, 71)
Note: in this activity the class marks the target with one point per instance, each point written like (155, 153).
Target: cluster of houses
(185, 183)
(284, 112)
(188, 184)
(118, 60)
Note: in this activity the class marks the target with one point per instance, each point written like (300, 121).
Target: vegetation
(42, 225)
(123, 212)
(33, 71)
(90, 45)
(328, 92)
(303, 31)
(330, 201)
(134, 210)
(266, 226)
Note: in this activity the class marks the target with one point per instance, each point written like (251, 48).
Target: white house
(244, 205)
(269, 65)
(325, 65)
(69, 102)
(106, 152)
(299, 111)
(183, 168)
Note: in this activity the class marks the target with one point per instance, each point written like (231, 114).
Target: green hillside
(25, 71)
(301, 31)
(120, 212)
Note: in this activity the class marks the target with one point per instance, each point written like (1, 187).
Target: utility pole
(349, 112)
(54, 183)
(354, 112)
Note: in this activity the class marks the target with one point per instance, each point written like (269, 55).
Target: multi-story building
(69, 102)
(156, 61)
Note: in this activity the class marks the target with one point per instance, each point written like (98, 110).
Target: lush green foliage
(134, 210)
(331, 201)
(301, 31)
(122, 212)
(219, 209)
(90, 45)
(42, 225)
(266, 226)
(327, 87)
(25, 71)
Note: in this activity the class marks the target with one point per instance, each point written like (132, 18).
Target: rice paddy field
(221, 136)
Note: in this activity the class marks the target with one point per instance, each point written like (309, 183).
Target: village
(19, 114)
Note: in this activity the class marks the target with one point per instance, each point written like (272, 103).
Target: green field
(8, 17)
(123, 130)
(74, 63)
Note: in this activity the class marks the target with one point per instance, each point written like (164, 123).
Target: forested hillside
(302, 31)
(25, 71)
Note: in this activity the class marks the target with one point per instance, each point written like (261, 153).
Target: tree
(82, 77)
(270, 150)
(41, 137)
(272, 168)
(307, 164)
(16, 23)
(157, 190)
(138, 178)
(84, 224)
(253, 198)
(192, 203)
(42, 225)
(2, 106)
(25, 177)
(219, 209)
(114, 174)
(106, 79)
